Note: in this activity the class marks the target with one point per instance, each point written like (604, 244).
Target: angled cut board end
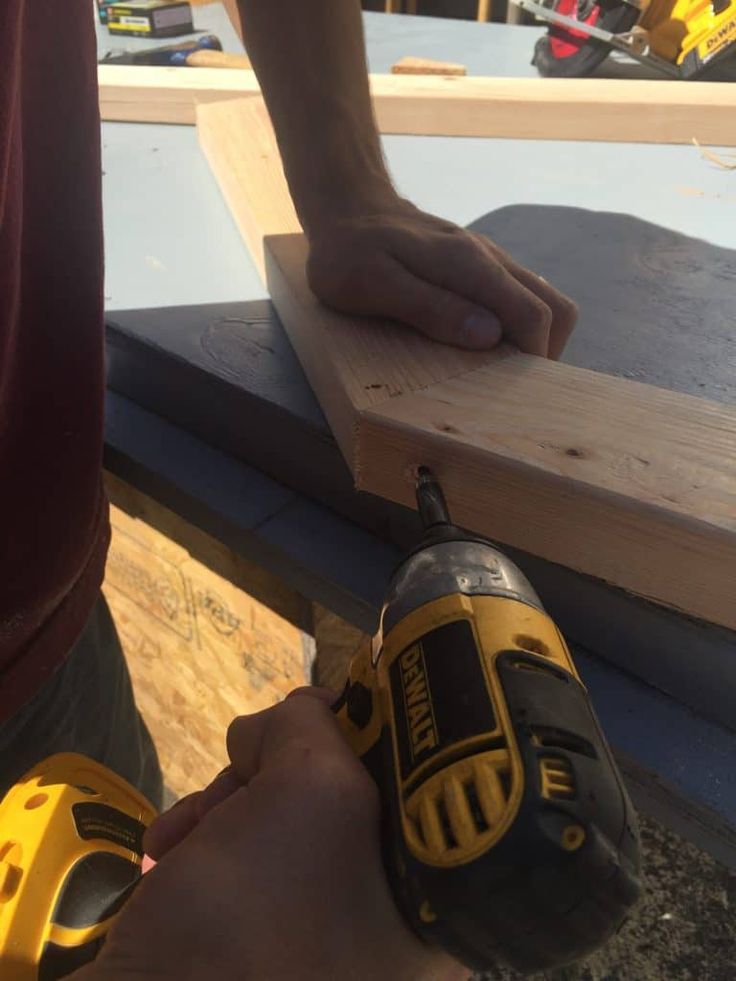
(600, 474)
(625, 482)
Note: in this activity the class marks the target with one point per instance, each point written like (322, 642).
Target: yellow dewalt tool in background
(685, 39)
(507, 832)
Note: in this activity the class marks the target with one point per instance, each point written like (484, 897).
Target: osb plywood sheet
(200, 650)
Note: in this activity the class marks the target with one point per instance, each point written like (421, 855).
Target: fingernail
(481, 330)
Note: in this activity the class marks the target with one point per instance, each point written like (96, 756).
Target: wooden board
(626, 482)
(146, 94)
(200, 648)
(645, 111)
(408, 65)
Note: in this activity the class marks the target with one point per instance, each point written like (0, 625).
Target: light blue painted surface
(671, 186)
(170, 239)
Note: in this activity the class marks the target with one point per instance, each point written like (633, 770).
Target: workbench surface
(642, 236)
(629, 230)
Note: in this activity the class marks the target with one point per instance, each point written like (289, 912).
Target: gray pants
(86, 707)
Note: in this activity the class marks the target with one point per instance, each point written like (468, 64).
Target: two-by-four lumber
(154, 94)
(642, 111)
(629, 483)
(409, 65)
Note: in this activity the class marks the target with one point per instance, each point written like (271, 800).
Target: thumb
(438, 313)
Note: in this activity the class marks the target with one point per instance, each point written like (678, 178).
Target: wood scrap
(426, 66)
(148, 94)
(205, 58)
(645, 111)
(629, 483)
(716, 158)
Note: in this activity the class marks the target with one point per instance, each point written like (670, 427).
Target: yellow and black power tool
(71, 848)
(680, 39)
(508, 834)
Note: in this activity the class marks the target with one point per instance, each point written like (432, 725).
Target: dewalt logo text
(723, 34)
(418, 701)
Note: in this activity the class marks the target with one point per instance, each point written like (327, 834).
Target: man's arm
(371, 252)
(310, 61)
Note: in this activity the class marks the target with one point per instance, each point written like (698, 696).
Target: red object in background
(564, 41)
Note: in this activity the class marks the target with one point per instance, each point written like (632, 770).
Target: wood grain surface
(201, 650)
(626, 482)
(624, 110)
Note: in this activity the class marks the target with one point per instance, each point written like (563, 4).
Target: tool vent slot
(551, 738)
(460, 808)
(532, 645)
(471, 794)
(557, 778)
(447, 831)
(418, 828)
(504, 777)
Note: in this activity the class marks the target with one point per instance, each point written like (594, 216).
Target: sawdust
(716, 158)
(683, 930)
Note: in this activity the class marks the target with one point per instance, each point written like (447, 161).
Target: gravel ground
(683, 930)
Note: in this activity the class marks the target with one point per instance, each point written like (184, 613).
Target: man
(64, 684)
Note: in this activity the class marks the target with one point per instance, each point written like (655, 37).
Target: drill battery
(149, 18)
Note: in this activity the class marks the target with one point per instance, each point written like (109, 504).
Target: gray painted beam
(226, 372)
(679, 766)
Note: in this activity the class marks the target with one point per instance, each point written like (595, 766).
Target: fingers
(564, 310)
(384, 287)
(175, 824)
(321, 692)
(248, 734)
(303, 723)
(451, 285)
(224, 784)
(171, 827)
(465, 268)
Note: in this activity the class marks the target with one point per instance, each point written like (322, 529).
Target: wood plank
(408, 65)
(206, 58)
(626, 482)
(254, 191)
(633, 484)
(568, 464)
(154, 94)
(690, 660)
(665, 738)
(644, 111)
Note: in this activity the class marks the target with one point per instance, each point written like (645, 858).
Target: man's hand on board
(388, 259)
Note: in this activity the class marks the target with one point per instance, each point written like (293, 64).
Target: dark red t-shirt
(53, 515)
